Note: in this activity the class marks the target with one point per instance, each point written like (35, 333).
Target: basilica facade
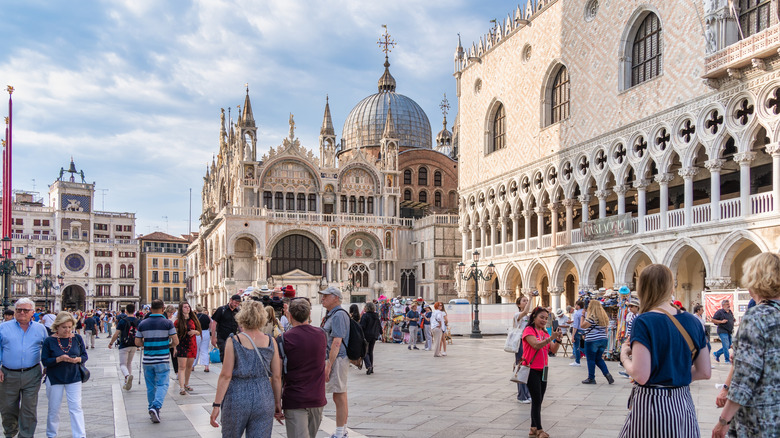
(597, 137)
(373, 213)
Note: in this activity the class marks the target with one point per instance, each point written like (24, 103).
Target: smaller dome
(387, 81)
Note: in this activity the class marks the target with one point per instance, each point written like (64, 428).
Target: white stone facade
(689, 151)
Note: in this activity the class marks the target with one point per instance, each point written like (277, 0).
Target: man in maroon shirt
(303, 394)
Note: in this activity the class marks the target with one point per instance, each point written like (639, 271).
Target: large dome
(366, 121)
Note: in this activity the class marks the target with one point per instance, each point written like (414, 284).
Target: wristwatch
(216, 405)
(723, 422)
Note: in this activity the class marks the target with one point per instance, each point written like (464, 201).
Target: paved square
(411, 394)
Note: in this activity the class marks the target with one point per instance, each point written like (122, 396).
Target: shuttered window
(646, 53)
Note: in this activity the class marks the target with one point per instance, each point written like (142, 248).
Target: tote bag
(513, 340)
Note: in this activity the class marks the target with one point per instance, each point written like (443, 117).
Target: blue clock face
(74, 262)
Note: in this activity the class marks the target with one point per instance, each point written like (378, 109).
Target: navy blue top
(670, 357)
(63, 373)
(89, 324)
(413, 316)
(427, 319)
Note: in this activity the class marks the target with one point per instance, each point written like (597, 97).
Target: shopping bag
(513, 340)
(520, 373)
(214, 355)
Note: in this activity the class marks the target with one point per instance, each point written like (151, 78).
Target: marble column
(744, 159)
(527, 215)
(482, 235)
(641, 189)
(687, 175)
(555, 298)
(774, 150)
(493, 225)
(602, 195)
(515, 230)
(621, 194)
(540, 211)
(464, 241)
(554, 206)
(503, 235)
(585, 201)
(473, 229)
(714, 167)
(663, 180)
(569, 204)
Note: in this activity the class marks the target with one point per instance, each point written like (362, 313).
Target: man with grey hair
(303, 394)
(21, 340)
(336, 326)
(724, 319)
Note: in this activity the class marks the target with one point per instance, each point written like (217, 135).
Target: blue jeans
(156, 377)
(725, 340)
(594, 351)
(576, 351)
(522, 388)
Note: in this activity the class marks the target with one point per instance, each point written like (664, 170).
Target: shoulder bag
(83, 368)
(683, 332)
(521, 372)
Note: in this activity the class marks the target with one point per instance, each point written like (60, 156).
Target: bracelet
(216, 405)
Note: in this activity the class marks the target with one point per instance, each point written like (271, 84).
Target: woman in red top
(187, 328)
(536, 339)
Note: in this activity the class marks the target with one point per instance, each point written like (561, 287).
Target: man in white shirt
(48, 320)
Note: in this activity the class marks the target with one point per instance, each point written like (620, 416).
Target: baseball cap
(331, 291)
(235, 297)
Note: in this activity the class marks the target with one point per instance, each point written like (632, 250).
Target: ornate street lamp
(9, 267)
(45, 282)
(476, 274)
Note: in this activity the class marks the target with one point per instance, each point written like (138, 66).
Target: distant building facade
(163, 268)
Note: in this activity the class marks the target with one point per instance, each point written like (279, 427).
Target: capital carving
(584, 199)
(773, 148)
(603, 194)
(714, 165)
(568, 202)
(504, 293)
(540, 210)
(516, 216)
(620, 190)
(641, 184)
(718, 282)
(759, 64)
(688, 173)
(664, 178)
(527, 213)
(744, 158)
(493, 223)
(503, 220)
(553, 206)
(555, 291)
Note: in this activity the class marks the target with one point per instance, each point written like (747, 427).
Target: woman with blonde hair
(249, 389)
(753, 405)
(61, 354)
(666, 352)
(595, 323)
(271, 327)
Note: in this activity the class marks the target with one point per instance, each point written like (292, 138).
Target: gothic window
(407, 195)
(422, 176)
(301, 202)
(291, 202)
(352, 204)
(296, 252)
(498, 129)
(343, 204)
(437, 179)
(267, 200)
(423, 196)
(407, 176)
(437, 199)
(279, 196)
(646, 50)
(753, 16)
(361, 205)
(560, 96)
(370, 207)
(312, 202)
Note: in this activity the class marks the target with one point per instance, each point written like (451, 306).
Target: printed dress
(188, 345)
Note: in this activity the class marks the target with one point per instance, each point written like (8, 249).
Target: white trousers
(126, 360)
(204, 344)
(73, 393)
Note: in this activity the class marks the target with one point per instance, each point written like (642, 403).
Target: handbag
(513, 340)
(214, 355)
(83, 368)
(521, 372)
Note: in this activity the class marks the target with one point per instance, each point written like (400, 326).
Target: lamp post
(9, 267)
(476, 274)
(45, 282)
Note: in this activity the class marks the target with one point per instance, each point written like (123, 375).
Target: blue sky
(133, 89)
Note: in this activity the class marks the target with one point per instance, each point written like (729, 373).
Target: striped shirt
(595, 332)
(155, 331)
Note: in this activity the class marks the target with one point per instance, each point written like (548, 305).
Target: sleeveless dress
(248, 405)
(188, 344)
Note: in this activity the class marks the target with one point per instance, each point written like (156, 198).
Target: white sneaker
(575, 364)
(128, 382)
(443, 353)
(526, 401)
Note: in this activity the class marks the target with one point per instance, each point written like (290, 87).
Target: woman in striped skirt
(666, 352)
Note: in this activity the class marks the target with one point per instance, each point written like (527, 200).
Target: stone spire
(247, 119)
(389, 131)
(327, 122)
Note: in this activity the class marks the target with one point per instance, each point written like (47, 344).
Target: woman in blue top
(662, 363)
(61, 354)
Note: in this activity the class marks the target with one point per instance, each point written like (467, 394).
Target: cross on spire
(386, 41)
(445, 106)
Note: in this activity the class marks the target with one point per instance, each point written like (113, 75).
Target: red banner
(712, 302)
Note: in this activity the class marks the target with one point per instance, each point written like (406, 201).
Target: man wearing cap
(577, 332)
(225, 318)
(336, 326)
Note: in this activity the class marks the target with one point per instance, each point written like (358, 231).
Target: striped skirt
(661, 413)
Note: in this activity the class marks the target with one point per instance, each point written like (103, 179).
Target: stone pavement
(411, 394)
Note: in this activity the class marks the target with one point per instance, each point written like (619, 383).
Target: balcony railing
(33, 236)
(762, 203)
(292, 216)
(742, 53)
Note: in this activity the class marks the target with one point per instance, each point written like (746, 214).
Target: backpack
(127, 334)
(357, 347)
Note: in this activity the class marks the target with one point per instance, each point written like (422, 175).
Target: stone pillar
(602, 195)
(663, 180)
(473, 237)
(555, 298)
(621, 193)
(744, 159)
(569, 204)
(641, 189)
(774, 150)
(714, 167)
(527, 215)
(554, 206)
(493, 224)
(687, 175)
(585, 201)
(540, 211)
(507, 296)
(482, 235)
(464, 241)
(515, 230)
(503, 235)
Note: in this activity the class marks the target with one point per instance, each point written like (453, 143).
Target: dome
(366, 121)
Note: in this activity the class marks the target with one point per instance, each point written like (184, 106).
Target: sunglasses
(23, 310)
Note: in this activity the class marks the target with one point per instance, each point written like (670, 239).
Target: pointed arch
(676, 251)
(512, 276)
(564, 263)
(594, 264)
(630, 261)
(533, 271)
(728, 248)
(231, 246)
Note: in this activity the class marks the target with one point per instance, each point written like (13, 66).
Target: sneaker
(526, 401)
(589, 381)
(575, 364)
(154, 415)
(342, 436)
(443, 353)
(416, 348)
(128, 382)
(624, 374)
(717, 358)
(610, 379)
(409, 347)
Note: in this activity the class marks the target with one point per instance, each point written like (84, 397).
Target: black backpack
(357, 347)
(127, 334)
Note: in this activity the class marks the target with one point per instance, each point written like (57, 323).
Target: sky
(132, 90)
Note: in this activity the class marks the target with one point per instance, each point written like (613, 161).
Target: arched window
(361, 205)
(267, 200)
(131, 271)
(422, 176)
(370, 207)
(437, 199)
(753, 16)
(296, 252)
(423, 196)
(352, 204)
(498, 129)
(407, 176)
(107, 271)
(646, 50)
(122, 271)
(291, 201)
(407, 195)
(559, 103)
(312, 202)
(437, 179)
(279, 197)
(301, 202)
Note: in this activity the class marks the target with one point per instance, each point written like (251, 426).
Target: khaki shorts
(338, 376)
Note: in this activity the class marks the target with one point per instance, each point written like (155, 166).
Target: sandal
(188, 388)
(542, 434)
(182, 392)
(533, 432)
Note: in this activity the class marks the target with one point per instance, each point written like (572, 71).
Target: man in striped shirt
(156, 334)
